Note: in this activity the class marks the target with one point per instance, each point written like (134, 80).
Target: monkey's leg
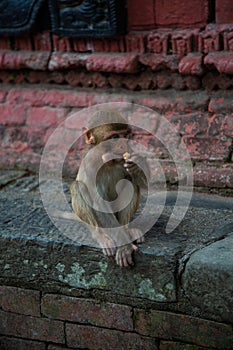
(124, 255)
(99, 221)
(126, 215)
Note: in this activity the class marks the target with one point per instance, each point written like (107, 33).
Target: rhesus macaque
(111, 138)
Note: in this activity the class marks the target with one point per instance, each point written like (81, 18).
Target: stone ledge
(209, 276)
(36, 255)
(193, 63)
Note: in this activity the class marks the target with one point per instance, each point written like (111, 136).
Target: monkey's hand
(138, 169)
(124, 255)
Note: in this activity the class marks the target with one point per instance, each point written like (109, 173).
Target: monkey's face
(115, 145)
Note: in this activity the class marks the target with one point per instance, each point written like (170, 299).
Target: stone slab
(35, 254)
(208, 278)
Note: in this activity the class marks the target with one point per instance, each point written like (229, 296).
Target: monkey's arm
(138, 169)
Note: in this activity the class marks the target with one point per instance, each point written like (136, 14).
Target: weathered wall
(56, 291)
(173, 59)
(54, 322)
(29, 114)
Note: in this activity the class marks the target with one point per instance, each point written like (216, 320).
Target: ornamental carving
(73, 18)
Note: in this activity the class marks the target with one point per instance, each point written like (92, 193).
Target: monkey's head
(108, 125)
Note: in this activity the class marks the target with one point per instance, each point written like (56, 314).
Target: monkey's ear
(89, 137)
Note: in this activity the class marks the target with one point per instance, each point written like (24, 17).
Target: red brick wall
(34, 320)
(173, 60)
(205, 122)
(224, 11)
(151, 14)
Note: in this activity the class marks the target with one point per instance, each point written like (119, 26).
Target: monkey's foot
(124, 255)
(108, 246)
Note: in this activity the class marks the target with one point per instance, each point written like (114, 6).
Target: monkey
(115, 163)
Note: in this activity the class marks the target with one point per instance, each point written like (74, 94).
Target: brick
(183, 42)
(45, 116)
(191, 102)
(26, 138)
(159, 62)
(181, 13)
(157, 42)
(21, 301)
(192, 64)
(116, 63)
(224, 11)
(53, 98)
(76, 120)
(170, 345)
(195, 124)
(135, 42)
(32, 328)
(159, 104)
(12, 114)
(209, 41)
(20, 344)
(185, 328)
(222, 61)
(213, 176)
(105, 339)
(228, 40)
(141, 17)
(67, 60)
(83, 79)
(29, 97)
(25, 59)
(87, 311)
(198, 146)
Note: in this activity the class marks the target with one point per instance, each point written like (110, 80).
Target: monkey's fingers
(131, 167)
(124, 255)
